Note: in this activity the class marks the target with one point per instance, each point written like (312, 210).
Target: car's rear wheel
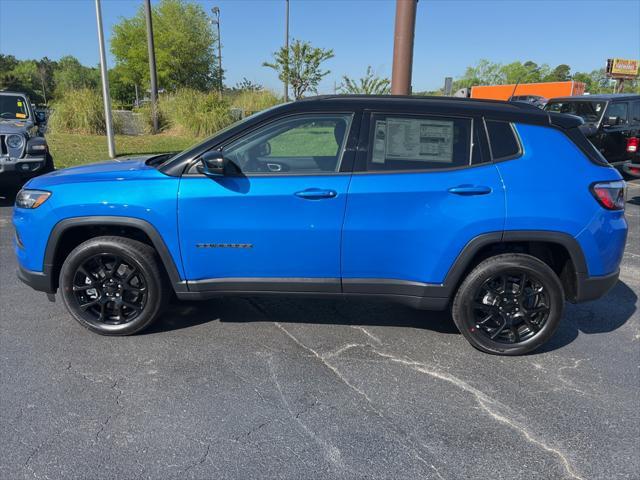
(113, 285)
(509, 304)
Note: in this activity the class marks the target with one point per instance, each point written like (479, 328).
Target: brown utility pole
(403, 47)
(152, 65)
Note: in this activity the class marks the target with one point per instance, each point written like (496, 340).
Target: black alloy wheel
(113, 285)
(511, 307)
(509, 304)
(109, 289)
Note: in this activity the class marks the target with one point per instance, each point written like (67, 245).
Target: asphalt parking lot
(268, 388)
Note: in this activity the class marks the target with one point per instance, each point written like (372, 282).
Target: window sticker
(19, 103)
(379, 142)
(418, 139)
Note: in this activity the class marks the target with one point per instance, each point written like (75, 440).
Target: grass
(302, 142)
(70, 149)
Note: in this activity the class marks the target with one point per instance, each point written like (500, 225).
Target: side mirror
(41, 118)
(264, 149)
(212, 163)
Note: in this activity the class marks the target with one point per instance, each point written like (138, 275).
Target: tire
(491, 302)
(113, 285)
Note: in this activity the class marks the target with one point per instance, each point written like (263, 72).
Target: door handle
(316, 194)
(470, 190)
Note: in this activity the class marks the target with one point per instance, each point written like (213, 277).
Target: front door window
(301, 144)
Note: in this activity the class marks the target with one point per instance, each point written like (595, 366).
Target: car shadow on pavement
(601, 316)
(300, 310)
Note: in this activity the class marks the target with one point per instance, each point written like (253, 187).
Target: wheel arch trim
(112, 221)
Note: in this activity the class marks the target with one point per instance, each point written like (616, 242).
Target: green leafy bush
(80, 111)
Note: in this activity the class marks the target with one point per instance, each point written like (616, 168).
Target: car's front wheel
(510, 304)
(113, 285)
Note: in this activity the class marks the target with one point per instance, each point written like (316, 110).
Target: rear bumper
(632, 169)
(592, 288)
(40, 281)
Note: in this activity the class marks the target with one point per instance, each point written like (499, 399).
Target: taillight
(609, 194)
(632, 144)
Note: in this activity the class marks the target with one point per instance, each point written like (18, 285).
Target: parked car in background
(24, 152)
(610, 121)
(396, 198)
(632, 169)
(536, 100)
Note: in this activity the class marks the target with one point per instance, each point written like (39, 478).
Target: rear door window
(503, 140)
(408, 142)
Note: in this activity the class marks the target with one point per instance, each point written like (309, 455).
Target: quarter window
(419, 143)
(635, 112)
(299, 144)
(503, 140)
(617, 111)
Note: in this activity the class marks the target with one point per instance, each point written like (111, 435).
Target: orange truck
(544, 89)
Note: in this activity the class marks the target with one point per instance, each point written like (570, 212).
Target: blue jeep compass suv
(500, 210)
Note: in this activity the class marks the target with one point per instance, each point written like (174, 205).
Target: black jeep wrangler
(24, 152)
(611, 122)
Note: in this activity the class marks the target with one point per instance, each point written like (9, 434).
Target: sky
(450, 34)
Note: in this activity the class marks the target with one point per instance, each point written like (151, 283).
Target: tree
(561, 73)
(46, 67)
(300, 66)
(184, 43)
(370, 84)
(70, 74)
(247, 86)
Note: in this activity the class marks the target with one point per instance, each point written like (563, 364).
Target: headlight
(15, 141)
(31, 198)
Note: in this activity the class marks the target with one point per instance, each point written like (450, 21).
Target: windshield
(589, 111)
(13, 107)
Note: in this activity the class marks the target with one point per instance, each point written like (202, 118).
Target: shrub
(251, 101)
(192, 112)
(80, 111)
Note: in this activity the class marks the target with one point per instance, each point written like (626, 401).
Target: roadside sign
(622, 68)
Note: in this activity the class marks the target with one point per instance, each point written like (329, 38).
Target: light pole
(286, 51)
(216, 21)
(105, 84)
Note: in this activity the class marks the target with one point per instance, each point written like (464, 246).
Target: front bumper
(592, 288)
(24, 167)
(40, 281)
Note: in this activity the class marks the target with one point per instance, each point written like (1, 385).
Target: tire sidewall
(95, 247)
(463, 313)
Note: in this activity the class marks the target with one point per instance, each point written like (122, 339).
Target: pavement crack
(367, 333)
(331, 452)
(487, 404)
(390, 426)
(327, 364)
(200, 461)
(569, 384)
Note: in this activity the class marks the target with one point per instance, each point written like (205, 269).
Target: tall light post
(152, 65)
(216, 21)
(105, 84)
(286, 50)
